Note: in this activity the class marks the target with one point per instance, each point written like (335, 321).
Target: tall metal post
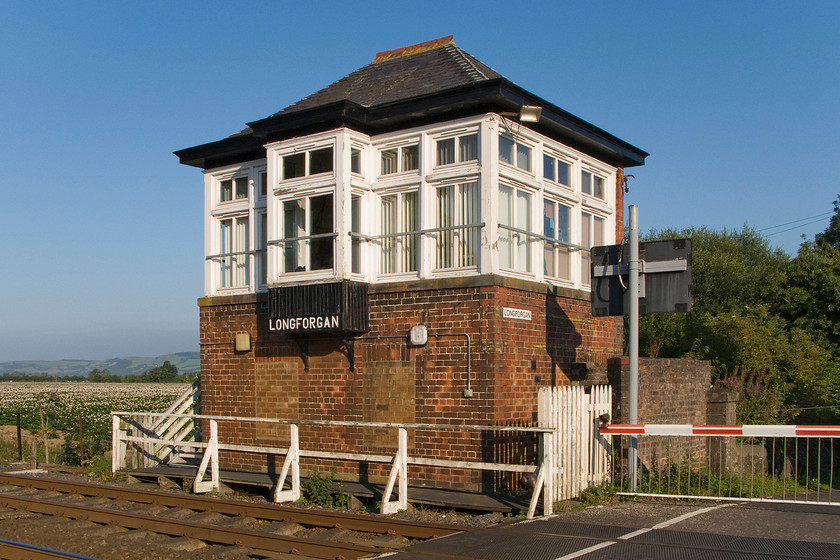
(633, 384)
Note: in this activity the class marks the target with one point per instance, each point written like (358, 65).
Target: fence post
(398, 470)
(211, 457)
(548, 465)
(116, 457)
(292, 462)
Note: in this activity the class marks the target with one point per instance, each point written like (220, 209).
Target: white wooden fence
(581, 455)
(133, 428)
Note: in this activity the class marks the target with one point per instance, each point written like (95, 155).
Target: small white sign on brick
(511, 313)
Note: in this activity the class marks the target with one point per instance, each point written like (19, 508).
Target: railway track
(264, 529)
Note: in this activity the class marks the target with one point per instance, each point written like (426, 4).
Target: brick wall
(509, 359)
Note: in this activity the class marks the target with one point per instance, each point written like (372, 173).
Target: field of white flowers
(62, 402)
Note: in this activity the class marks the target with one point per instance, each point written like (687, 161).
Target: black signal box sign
(339, 307)
(665, 281)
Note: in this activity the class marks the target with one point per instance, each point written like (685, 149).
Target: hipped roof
(424, 83)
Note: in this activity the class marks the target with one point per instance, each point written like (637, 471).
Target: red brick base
(394, 382)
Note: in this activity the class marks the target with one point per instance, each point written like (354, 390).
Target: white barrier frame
(399, 461)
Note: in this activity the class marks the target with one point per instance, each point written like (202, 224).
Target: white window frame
(456, 137)
(243, 246)
(558, 252)
(397, 249)
(521, 238)
(456, 248)
(516, 142)
(590, 236)
(302, 240)
(399, 148)
(306, 151)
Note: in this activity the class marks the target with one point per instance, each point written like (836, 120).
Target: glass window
(233, 245)
(468, 147)
(506, 150)
(556, 226)
(399, 216)
(294, 166)
(240, 187)
(515, 153)
(226, 190)
(556, 170)
(262, 236)
(514, 212)
(523, 157)
(389, 162)
(321, 161)
(457, 205)
(457, 149)
(263, 183)
(356, 161)
(405, 158)
(410, 158)
(355, 227)
(305, 221)
(591, 184)
(592, 234)
(321, 249)
(549, 168)
(445, 151)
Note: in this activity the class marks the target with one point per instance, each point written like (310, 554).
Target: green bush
(319, 490)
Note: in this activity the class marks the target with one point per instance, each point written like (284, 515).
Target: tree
(167, 373)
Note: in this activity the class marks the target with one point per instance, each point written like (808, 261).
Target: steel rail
(10, 550)
(201, 531)
(270, 512)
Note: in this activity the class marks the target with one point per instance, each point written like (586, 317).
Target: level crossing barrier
(767, 463)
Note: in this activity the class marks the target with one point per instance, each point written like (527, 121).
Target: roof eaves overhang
(497, 95)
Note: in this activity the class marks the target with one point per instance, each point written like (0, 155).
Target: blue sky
(102, 242)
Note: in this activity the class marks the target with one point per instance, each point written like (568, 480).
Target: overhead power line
(818, 216)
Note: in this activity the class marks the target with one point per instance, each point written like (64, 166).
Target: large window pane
(505, 218)
(445, 151)
(294, 224)
(586, 182)
(549, 168)
(586, 242)
(321, 161)
(321, 249)
(523, 221)
(389, 161)
(410, 157)
(356, 227)
(294, 166)
(233, 244)
(240, 187)
(457, 205)
(563, 172)
(523, 157)
(262, 236)
(468, 147)
(506, 150)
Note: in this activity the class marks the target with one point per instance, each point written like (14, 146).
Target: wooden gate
(581, 455)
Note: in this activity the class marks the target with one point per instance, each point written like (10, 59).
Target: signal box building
(409, 244)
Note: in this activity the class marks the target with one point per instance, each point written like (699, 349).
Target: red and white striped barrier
(696, 430)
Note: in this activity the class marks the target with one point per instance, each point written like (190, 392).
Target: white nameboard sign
(511, 313)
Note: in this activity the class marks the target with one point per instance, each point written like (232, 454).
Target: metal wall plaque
(666, 284)
(340, 307)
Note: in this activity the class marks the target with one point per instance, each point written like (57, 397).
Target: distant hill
(186, 362)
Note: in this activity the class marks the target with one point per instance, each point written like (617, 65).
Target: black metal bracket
(350, 346)
(303, 344)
